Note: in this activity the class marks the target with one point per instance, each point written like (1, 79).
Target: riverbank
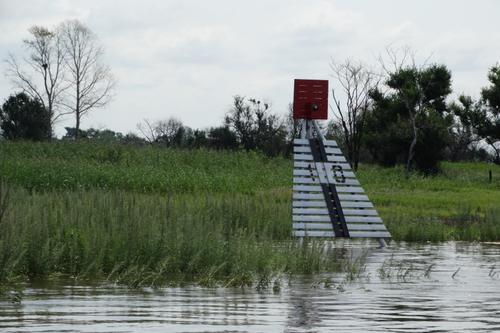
(151, 216)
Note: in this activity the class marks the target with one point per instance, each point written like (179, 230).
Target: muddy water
(451, 287)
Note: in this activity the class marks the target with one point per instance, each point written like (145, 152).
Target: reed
(152, 216)
(152, 240)
(76, 166)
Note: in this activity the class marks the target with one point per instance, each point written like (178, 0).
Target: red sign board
(310, 99)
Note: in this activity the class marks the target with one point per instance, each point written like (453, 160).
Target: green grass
(458, 204)
(151, 216)
(43, 166)
(152, 240)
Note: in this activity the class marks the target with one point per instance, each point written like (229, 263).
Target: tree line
(400, 114)
(404, 116)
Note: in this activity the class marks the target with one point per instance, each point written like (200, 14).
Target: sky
(188, 58)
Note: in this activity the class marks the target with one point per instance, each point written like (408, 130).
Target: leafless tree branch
(356, 82)
(91, 82)
(40, 74)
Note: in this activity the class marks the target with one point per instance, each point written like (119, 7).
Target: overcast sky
(187, 58)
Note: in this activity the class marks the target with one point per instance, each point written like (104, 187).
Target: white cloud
(188, 58)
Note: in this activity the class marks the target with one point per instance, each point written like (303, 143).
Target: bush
(22, 117)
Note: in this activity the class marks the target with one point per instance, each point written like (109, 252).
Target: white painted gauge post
(328, 200)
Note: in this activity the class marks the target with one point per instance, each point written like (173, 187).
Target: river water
(449, 287)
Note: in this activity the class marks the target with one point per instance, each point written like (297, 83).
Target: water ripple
(450, 287)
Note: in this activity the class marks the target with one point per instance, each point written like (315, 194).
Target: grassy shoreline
(151, 240)
(151, 216)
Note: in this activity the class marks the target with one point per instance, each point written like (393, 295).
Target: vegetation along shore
(156, 216)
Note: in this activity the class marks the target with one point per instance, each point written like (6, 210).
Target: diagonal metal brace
(329, 191)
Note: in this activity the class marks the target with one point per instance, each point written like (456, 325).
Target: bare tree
(399, 59)
(147, 129)
(164, 131)
(355, 82)
(40, 75)
(168, 130)
(90, 80)
(396, 58)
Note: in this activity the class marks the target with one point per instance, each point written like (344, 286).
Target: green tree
(256, 127)
(93, 134)
(387, 130)
(198, 139)
(490, 96)
(22, 117)
(222, 138)
(481, 118)
(413, 113)
(133, 139)
(470, 119)
(71, 133)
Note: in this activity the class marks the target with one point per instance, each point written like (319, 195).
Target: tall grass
(458, 204)
(151, 240)
(151, 216)
(69, 165)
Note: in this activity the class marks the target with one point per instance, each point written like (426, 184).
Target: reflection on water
(452, 287)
